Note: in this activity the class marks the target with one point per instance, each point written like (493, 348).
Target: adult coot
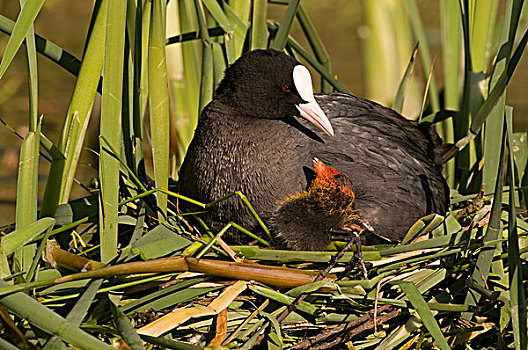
(264, 126)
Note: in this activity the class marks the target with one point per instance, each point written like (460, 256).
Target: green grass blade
(175, 70)
(425, 313)
(430, 77)
(237, 12)
(493, 130)
(111, 125)
(207, 81)
(282, 298)
(499, 88)
(462, 124)
(125, 329)
(218, 14)
(183, 76)
(27, 180)
(22, 26)
(485, 257)
(27, 196)
(131, 85)
(316, 44)
(202, 23)
(77, 313)
(169, 344)
(313, 62)
(219, 63)
(505, 66)
(495, 94)
(481, 23)
(133, 16)
(154, 301)
(259, 29)
(386, 52)
(32, 76)
(517, 289)
(137, 115)
(134, 179)
(400, 94)
(207, 77)
(145, 28)
(221, 17)
(495, 121)
(53, 185)
(27, 191)
(78, 116)
(19, 237)
(131, 143)
(5, 267)
(42, 317)
(188, 103)
(279, 43)
(378, 71)
(425, 55)
(191, 67)
(47, 48)
(159, 103)
(275, 336)
(241, 8)
(451, 36)
(450, 26)
(37, 255)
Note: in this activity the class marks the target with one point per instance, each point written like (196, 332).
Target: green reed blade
(259, 30)
(110, 126)
(425, 55)
(279, 43)
(79, 110)
(400, 94)
(22, 26)
(159, 103)
(517, 288)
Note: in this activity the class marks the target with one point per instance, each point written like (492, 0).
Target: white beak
(311, 111)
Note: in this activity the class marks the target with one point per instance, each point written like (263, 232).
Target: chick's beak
(311, 111)
(322, 171)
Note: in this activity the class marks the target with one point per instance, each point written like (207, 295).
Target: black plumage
(252, 138)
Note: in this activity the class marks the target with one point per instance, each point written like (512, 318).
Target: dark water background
(65, 22)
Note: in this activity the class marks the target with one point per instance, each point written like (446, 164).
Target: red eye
(285, 88)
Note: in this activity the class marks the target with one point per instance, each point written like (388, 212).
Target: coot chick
(264, 126)
(308, 219)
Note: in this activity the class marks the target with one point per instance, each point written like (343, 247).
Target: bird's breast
(258, 157)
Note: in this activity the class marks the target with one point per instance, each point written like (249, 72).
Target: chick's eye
(337, 176)
(285, 88)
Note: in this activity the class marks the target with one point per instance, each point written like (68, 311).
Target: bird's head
(271, 84)
(331, 188)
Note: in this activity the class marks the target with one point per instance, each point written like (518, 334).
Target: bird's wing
(360, 115)
(389, 160)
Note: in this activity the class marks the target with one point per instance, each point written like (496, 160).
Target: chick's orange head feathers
(325, 172)
(331, 180)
